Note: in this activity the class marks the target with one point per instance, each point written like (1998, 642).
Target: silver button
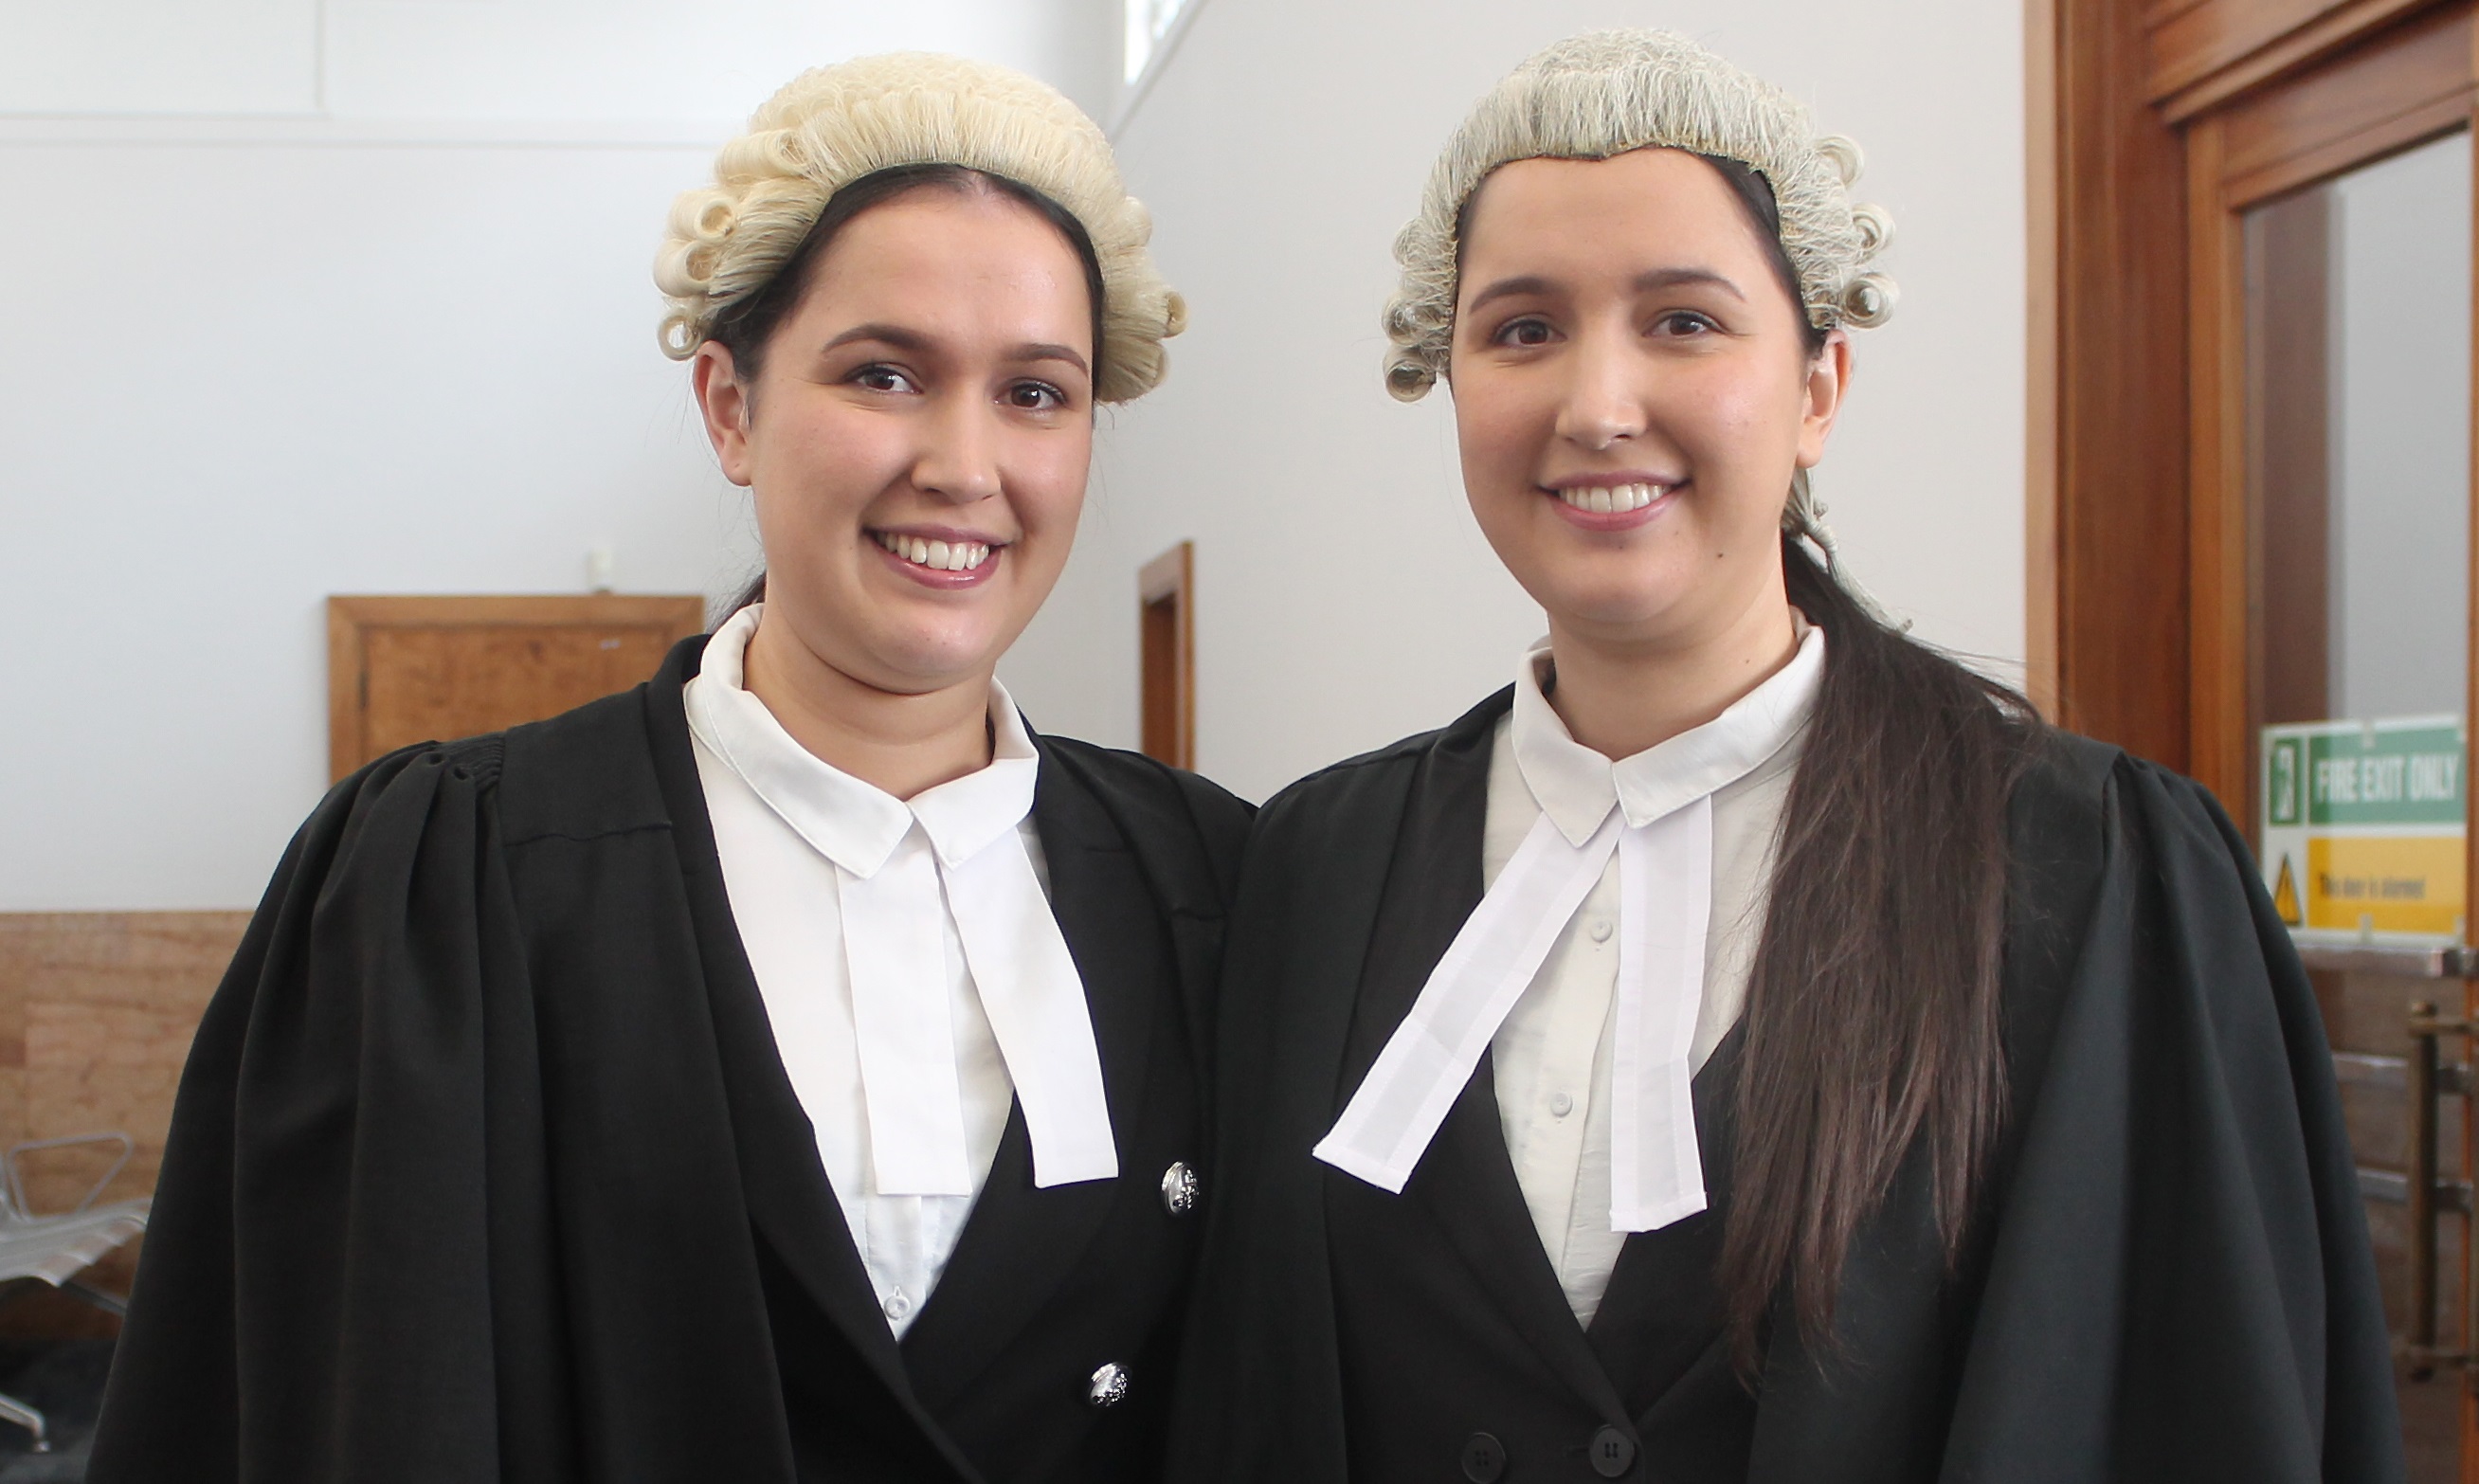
(1179, 1188)
(1110, 1386)
(1601, 930)
(1560, 1105)
(897, 1304)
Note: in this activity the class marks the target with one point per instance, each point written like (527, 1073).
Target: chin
(926, 662)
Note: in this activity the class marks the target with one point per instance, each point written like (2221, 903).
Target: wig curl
(832, 125)
(1606, 92)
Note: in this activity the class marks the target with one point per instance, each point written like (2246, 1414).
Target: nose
(1604, 401)
(959, 456)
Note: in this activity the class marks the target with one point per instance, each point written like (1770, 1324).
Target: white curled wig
(1604, 93)
(832, 125)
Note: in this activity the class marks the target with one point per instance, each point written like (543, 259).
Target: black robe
(484, 1165)
(2172, 1282)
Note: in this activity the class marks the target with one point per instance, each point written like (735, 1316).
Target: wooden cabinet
(406, 670)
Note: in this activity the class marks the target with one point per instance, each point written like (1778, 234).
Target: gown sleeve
(2178, 1279)
(315, 1296)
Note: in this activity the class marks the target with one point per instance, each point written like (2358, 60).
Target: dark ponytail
(1872, 1018)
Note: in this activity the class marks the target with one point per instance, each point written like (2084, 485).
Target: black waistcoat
(1458, 1344)
(996, 1377)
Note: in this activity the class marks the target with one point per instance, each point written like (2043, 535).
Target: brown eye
(1035, 397)
(1525, 332)
(1683, 324)
(877, 377)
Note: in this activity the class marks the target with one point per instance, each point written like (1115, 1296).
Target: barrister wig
(1603, 93)
(835, 125)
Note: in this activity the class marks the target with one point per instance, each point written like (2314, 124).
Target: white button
(897, 1304)
(1601, 930)
(1560, 1105)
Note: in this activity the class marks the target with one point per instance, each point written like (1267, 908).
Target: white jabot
(1637, 837)
(914, 976)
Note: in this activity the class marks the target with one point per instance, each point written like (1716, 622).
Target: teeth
(1612, 500)
(937, 555)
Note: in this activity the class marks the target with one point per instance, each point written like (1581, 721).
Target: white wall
(1345, 595)
(347, 298)
(337, 296)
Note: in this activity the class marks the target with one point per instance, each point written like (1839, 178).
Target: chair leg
(15, 1411)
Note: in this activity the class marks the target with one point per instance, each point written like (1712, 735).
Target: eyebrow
(1643, 283)
(918, 344)
(1675, 277)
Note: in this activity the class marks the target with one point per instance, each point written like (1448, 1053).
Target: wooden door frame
(2135, 553)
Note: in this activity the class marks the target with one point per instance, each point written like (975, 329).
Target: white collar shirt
(1551, 1057)
(803, 843)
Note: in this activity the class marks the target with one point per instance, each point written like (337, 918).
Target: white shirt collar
(1577, 788)
(854, 824)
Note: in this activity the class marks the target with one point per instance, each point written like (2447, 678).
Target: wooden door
(406, 670)
(2281, 190)
(1167, 656)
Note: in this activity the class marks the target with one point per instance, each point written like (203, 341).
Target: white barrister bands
(1038, 1013)
(893, 951)
(1415, 1079)
(1666, 881)
(1655, 813)
(903, 873)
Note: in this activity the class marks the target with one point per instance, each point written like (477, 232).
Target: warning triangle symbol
(2285, 896)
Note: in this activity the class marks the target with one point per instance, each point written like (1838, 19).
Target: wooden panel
(2400, 89)
(2203, 55)
(2217, 549)
(96, 1014)
(2109, 458)
(407, 670)
(1166, 645)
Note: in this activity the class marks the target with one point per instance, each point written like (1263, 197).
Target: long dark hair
(1872, 1018)
(746, 326)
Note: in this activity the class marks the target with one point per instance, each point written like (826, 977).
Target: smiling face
(917, 436)
(1633, 390)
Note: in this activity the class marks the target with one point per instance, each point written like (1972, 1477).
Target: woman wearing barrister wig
(790, 1069)
(1752, 1046)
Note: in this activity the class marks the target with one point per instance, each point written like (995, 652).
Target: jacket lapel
(1466, 1181)
(791, 1205)
(1020, 1242)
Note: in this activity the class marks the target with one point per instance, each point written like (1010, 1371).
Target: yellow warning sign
(2285, 896)
(2398, 884)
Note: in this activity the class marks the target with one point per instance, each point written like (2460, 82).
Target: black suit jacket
(484, 1165)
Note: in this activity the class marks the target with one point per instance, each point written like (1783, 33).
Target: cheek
(1047, 479)
(1501, 424)
(820, 462)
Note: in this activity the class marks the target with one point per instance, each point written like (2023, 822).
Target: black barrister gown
(484, 1167)
(2170, 1281)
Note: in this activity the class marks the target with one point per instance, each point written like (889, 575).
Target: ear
(1829, 382)
(724, 400)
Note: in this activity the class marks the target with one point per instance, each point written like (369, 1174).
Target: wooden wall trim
(2400, 89)
(2040, 384)
(2204, 55)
